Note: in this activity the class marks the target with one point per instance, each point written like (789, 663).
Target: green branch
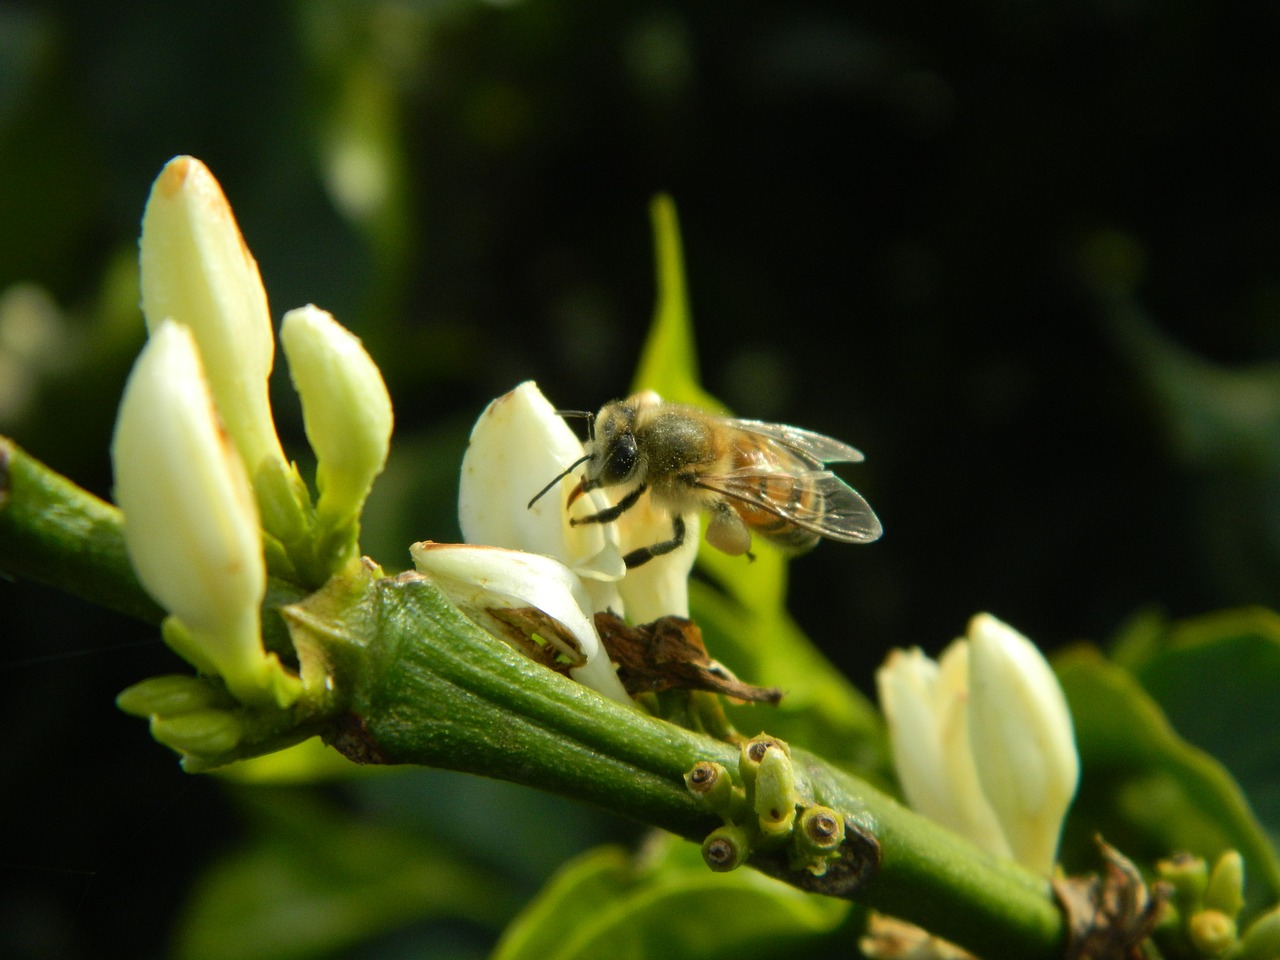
(58, 534)
(431, 688)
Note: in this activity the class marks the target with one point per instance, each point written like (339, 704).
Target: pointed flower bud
(1225, 889)
(926, 705)
(190, 524)
(483, 582)
(1022, 740)
(197, 271)
(982, 741)
(345, 408)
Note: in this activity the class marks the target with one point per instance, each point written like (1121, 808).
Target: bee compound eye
(621, 459)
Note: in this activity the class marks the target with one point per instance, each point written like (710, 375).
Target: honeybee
(747, 476)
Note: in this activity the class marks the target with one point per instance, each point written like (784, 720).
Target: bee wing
(814, 449)
(837, 511)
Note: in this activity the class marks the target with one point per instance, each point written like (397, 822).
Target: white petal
(477, 578)
(907, 684)
(659, 587)
(191, 526)
(925, 705)
(1022, 738)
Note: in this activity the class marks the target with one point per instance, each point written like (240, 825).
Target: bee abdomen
(789, 494)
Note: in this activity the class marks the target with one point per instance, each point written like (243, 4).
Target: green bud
(1225, 891)
(775, 796)
(816, 840)
(1262, 939)
(726, 848)
(1189, 876)
(169, 696)
(821, 830)
(752, 752)
(1212, 932)
(711, 784)
(202, 732)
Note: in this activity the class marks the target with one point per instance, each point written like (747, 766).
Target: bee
(746, 475)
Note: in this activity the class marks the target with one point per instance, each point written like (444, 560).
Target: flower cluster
(982, 740)
(210, 503)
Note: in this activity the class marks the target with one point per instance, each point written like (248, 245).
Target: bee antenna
(586, 415)
(559, 476)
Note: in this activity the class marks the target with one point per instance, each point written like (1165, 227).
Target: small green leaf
(1144, 788)
(307, 762)
(317, 880)
(1216, 678)
(669, 360)
(666, 903)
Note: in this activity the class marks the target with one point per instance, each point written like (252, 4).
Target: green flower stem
(431, 688)
(58, 534)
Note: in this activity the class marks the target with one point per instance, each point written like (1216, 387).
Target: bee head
(615, 456)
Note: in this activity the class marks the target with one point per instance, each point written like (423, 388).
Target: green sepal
(171, 695)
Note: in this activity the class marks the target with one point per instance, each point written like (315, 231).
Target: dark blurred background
(1025, 255)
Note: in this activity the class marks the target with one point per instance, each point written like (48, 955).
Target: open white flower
(517, 447)
(190, 523)
(982, 740)
(484, 582)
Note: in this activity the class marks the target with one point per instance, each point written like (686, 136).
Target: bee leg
(645, 554)
(612, 513)
(726, 531)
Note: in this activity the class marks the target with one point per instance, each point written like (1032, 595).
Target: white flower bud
(480, 579)
(190, 524)
(197, 271)
(982, 741)
(345, 408)
(1020, 729)
(925, 703)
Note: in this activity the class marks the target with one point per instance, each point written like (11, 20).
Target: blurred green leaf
(314, 879)
(1222, 424)
(1145, 789)
(666, 903)
(1216, 679)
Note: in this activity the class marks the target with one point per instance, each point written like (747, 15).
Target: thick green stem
(56, 533)
(432, 689)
